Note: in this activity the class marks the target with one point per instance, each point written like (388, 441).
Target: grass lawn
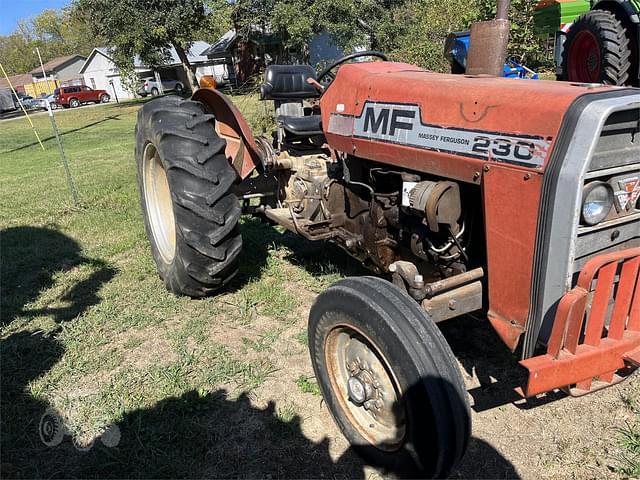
(147, 384)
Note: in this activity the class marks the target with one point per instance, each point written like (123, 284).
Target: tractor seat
(288, 82)
(301, 126)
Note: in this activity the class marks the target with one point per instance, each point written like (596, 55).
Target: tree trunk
(188, 70)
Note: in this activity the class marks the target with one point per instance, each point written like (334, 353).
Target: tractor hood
(449, 125)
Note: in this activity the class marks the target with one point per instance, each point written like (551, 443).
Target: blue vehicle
(456, 49)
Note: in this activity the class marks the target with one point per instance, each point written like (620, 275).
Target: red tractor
(456, 200)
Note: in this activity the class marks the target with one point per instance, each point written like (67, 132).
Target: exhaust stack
(488, 44)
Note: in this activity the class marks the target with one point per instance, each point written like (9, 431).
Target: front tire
(104, 98)
(597, 50)
(184, 178)
(389, 378)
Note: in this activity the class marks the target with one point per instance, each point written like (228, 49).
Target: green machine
(595, 41)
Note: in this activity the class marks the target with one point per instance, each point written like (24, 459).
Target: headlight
(597, 200)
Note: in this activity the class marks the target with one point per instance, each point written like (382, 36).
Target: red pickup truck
(76, 95)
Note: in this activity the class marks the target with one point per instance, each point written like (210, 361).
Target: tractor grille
(615, 161)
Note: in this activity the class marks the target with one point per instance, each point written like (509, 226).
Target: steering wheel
(369, 53)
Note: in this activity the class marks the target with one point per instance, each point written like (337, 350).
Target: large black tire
(609, 62)
(430, 401)
(179, 136)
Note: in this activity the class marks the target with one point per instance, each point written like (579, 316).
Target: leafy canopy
(55, 32)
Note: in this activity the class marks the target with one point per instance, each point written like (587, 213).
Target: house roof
(16, 80)
(222, 47)
(196, 46)
(57, 63)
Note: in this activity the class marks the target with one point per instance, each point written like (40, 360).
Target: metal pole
(63, 157)
(113, 87)
(503, 10)
(46, 81)
(65, 164)
(159, 82)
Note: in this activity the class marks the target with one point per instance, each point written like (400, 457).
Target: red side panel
(508, 194)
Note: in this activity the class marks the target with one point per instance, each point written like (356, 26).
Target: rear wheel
(597, 50)
(155, 92)
(179, 88)
(184, 179)
(104, 98)
(74, 103)
(389, 378)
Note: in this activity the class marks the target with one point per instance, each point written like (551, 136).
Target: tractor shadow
(482, 354)
(317, 258)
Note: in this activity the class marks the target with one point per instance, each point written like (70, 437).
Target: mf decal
(629, 193)
(402, 124)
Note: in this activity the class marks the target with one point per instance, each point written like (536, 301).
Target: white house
(100, 71)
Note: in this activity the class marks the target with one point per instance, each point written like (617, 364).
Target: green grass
(89, 329)
(307, 385)
(627, 461)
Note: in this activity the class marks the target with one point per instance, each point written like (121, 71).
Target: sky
(14, 10)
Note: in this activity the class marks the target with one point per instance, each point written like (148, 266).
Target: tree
(218, 20)
(54, 32)
(525, 45)
(422, 27)
(407, 30)
(146, 28)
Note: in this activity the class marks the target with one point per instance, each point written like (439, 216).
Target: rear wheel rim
(584, 58)
(366, 387)
(158, 203)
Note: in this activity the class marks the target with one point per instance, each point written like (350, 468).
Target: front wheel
(104, 98)
(179, 89)
(184, 178)
(389, 378)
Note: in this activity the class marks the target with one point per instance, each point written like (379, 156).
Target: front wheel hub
(360, 388)
(366, 388)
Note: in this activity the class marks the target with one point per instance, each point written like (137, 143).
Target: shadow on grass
(481, 353)
(317, 258)
(66, 132)
(191, 436)
(29, 260)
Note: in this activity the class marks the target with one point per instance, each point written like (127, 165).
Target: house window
(93, 83)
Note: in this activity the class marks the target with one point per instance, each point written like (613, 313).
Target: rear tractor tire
(597, 50)
(389, 378)
(184, 178)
